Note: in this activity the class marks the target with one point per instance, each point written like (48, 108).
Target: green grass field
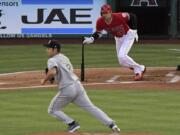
(25, 112)
(152, 111)
(20, 58)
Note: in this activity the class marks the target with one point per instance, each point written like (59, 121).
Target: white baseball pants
(123, 46)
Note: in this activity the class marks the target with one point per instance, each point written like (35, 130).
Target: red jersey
(118, 26)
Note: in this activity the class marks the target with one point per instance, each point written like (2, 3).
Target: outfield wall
(60, 19)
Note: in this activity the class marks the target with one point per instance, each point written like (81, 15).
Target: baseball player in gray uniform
(70, 90)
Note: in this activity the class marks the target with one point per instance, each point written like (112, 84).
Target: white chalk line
(177, 50)
(28, 87)
(119, 82)
(15, 73)
(85, 84)
(113, 79)
(6, 83)
(3, 83)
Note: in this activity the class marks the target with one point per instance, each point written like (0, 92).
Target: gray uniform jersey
(65, 75)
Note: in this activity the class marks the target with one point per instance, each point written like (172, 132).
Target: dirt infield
(101, 78)
(93, 134)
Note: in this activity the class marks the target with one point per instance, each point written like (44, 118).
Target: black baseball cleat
(115, 128)
(73, 127)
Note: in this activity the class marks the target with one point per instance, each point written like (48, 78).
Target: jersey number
(68, 67)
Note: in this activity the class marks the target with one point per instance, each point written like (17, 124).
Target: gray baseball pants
(76, 94)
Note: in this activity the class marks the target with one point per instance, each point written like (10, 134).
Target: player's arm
(132, 21)
(51, 72)
(49, 75)
(95, 35)
(130, 18)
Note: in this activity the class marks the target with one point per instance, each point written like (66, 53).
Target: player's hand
(135, 35)
(51, 80)
(88, 40)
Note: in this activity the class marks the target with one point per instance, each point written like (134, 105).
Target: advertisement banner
(49, 16)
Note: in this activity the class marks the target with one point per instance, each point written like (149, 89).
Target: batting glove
(88, 40)
(135, 35)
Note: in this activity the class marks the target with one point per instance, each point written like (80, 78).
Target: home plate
(170, 74)
(175, 79)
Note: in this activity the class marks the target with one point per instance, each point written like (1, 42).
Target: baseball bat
(82, 63)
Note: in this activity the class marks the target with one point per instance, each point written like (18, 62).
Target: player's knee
(121, 55)
(50, 111)
(122, 58)
(53, 111)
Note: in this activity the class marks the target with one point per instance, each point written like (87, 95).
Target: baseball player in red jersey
(123, 26)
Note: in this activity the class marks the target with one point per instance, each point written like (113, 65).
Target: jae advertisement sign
(49, 16)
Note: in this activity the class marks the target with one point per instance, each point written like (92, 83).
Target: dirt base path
(101, 78)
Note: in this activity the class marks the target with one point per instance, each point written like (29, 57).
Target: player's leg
(83, 101)
(124, 47)
(56, 105)
(63, 97)
(118, 44)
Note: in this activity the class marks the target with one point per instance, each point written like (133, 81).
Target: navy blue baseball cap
(53, 44)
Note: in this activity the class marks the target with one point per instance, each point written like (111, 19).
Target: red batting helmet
(106, 8)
